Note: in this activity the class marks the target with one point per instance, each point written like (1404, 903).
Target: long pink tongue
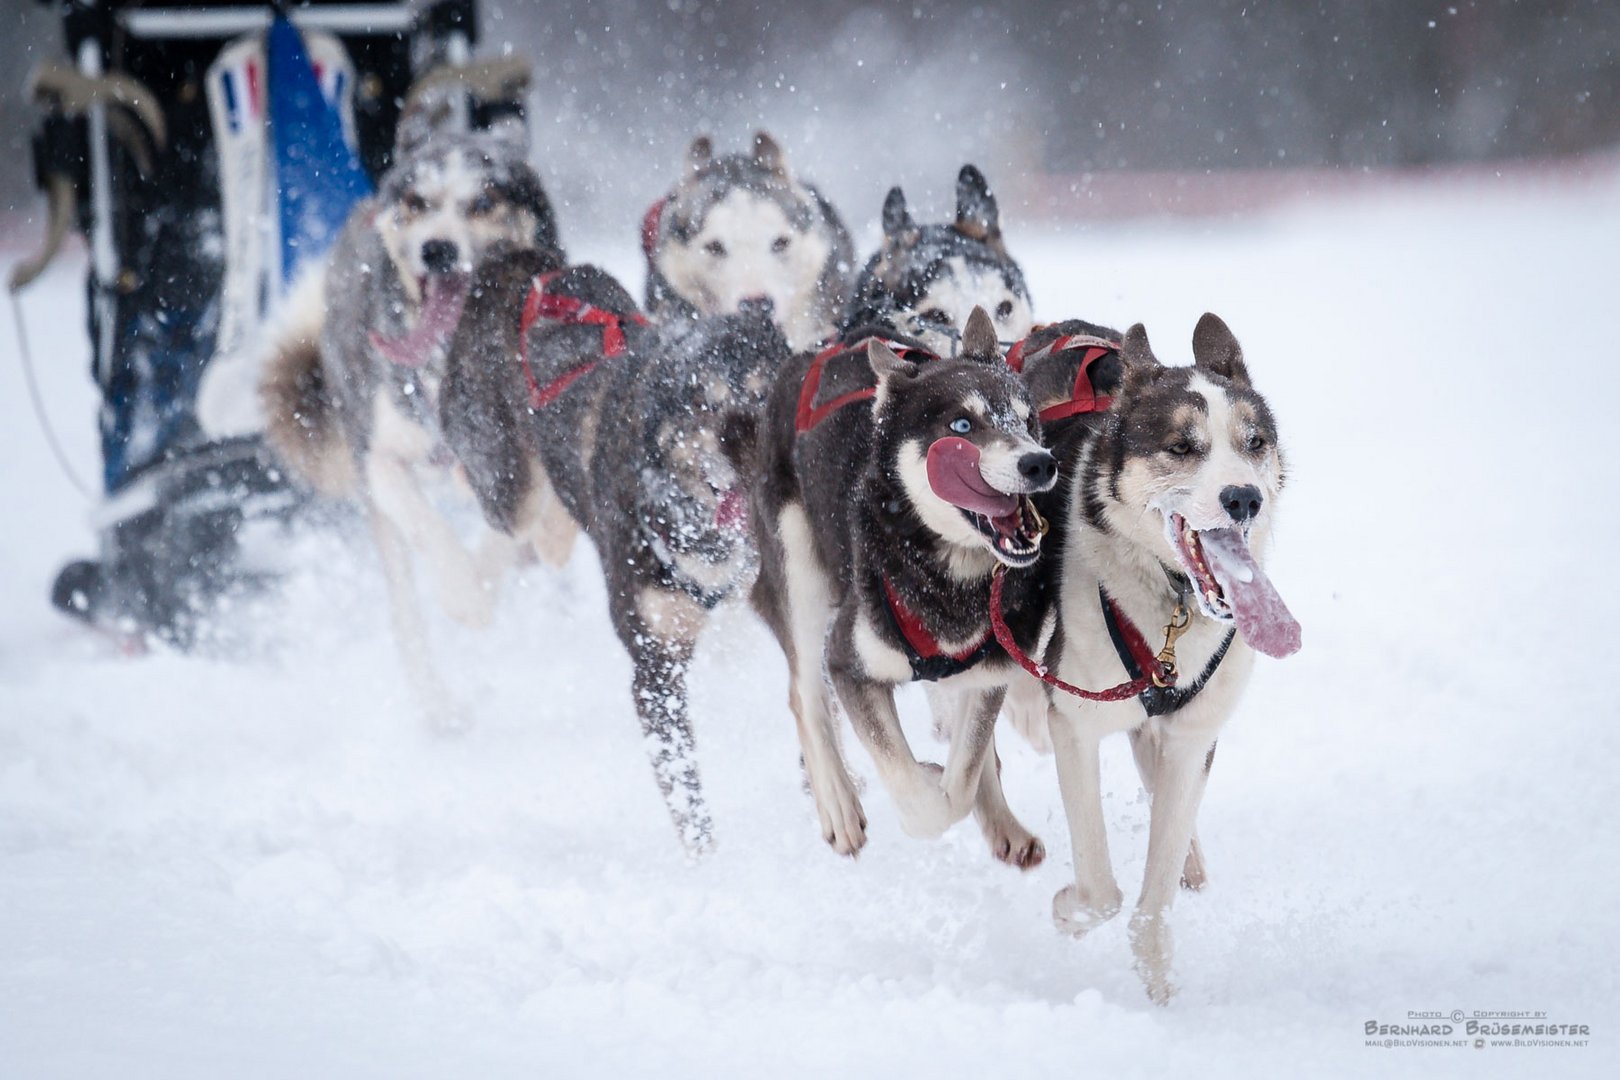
(443, 299)
(1262, 618)
(953, 473)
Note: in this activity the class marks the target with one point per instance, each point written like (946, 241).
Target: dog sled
(208, 152)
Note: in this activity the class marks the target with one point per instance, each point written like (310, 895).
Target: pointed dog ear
(979, 337)
(768, 155)
(700, 153)
(886, 365)
(896, 218)
(977, 215)
(1141, 366)
(1217, 351)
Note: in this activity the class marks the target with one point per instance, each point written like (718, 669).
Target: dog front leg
(659, 637)
(462, 592)
(1145, 749)
(1178, 789)
(918, 788)
(1094, 898)
(410, 635)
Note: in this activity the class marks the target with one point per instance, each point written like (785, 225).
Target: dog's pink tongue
(953, 473)
(1262, 617)
(442, 300)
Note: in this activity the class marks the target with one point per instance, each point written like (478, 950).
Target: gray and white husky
(351, 386)
(743, 227)
(890, 484)
(1166, 525)
(631, 432)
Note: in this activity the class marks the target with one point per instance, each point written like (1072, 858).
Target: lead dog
(1167, 521)
(880, 511)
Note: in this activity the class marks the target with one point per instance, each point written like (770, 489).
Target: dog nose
(757, 305)
(1038, 468)
(1242, 503)
(439, 256)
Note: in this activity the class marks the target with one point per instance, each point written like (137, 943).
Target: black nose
(1242, 503)
(439, 256)
(757, 305)
(1038, 468)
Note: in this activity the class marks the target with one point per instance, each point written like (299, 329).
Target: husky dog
(1168, 518)
(634, 432)
(936, 274)
(878, 527)
(743, 227)
(351, 388)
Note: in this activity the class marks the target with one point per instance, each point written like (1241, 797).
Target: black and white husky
(1168, 516)
(927, 278)
(630, 432)
(742, 227)
(351, 387)
(891, 483)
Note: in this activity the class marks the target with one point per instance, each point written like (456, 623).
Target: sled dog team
(906, 478)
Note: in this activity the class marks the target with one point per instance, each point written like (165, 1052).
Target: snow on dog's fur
(351, 386)
(935, 274)
(1171, 504)
(742, 227)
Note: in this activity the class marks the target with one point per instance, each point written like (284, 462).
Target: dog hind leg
(1009, 840)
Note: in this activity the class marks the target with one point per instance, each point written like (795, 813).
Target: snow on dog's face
(1190, 468)
(927, 278)
(741, 228)
(964, 443)
(445, 202)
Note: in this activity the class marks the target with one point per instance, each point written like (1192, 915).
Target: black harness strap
(1160, 700)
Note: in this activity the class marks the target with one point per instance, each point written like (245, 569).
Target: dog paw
(1016, 846)
(1077, 914)
(926, 810)
(1151, 945)
(1193, 875)
(843, 821)
(469, 599)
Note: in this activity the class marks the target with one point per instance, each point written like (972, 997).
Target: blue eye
(961, 425)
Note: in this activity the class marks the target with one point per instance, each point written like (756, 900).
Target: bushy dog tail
(301, 423)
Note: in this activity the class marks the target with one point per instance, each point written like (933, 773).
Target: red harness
(929, 660)
(568, 311)
(809, 414)
(1083, 398)
(1146, 660)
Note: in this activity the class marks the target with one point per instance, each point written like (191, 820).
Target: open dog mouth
(443, 297)
(1231, 586)
(1009, 522)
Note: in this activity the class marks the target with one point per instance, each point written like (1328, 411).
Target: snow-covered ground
(267, 867)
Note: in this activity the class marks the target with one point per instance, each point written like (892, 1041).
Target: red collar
(649, 227)
(1083, 398)
(568, 311)
(809, 414)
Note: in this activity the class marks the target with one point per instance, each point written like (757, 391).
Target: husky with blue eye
(744, 227)
(889, 484)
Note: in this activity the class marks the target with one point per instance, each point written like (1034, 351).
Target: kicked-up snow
(268, 866)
